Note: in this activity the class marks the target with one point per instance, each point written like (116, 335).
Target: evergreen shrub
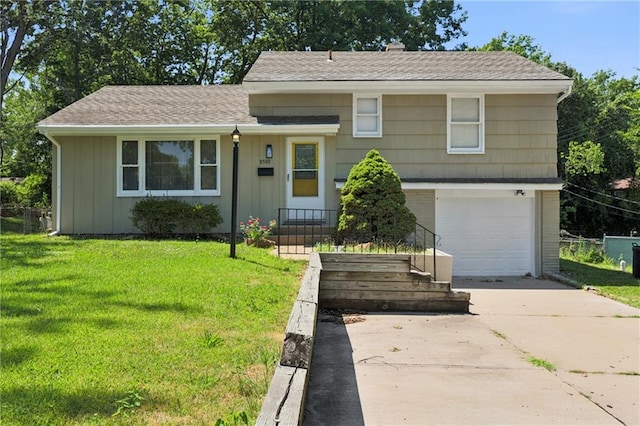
(373, 204)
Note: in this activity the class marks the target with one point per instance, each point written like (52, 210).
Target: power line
(601, 203)
(604, 194)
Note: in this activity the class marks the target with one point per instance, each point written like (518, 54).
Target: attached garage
(488, 232)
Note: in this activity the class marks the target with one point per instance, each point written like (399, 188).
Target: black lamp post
(234, 192)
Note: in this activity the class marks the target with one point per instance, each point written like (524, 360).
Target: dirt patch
(342, 316)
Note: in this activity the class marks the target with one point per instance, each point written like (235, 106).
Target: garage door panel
(487, 236)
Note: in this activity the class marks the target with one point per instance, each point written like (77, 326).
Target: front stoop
(384, 282)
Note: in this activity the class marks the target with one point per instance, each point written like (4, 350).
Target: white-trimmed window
(367, 116)
(465, 124)
(168, 166)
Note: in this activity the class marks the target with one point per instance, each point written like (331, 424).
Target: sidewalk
(422, 369)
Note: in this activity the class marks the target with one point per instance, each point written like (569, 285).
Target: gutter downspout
(565, 94)
(53, 140)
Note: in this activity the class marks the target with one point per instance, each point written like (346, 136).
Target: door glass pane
(305, 170)
(305, 156)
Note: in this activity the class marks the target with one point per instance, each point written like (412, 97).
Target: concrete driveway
(422, 369)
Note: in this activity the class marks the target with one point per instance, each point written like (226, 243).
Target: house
(472, 135)
(621, 188)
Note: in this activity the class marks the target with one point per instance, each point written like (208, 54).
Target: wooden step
(365, 262)
(375, 281)
(452, 302)
(384, 286)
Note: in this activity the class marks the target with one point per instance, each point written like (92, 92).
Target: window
(367, 116)
(168, 167)
(465, 122)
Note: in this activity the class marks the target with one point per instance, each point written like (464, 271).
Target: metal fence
(301, 231)
(28, 220)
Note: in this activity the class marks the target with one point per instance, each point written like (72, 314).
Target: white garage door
(487, 232)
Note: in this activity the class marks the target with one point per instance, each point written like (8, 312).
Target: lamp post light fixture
(235, 136)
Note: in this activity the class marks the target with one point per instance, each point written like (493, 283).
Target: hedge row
(161, 217)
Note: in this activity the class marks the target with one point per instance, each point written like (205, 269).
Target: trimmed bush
(160, 217)
(373, 204)
(199, 218)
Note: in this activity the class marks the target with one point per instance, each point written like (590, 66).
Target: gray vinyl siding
(520, 134)
(89, 204)
(550, 230)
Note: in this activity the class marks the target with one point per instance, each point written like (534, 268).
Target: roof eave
(473, 186)
(411, 87)
(187, 129)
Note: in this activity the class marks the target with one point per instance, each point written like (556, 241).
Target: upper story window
(465, 124)
(168, 167)
(367, 115)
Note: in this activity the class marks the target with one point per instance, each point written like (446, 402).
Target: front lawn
(605, 277)
(138, 332)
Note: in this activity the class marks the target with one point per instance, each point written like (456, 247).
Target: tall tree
(245, 28)
(597, 142)
(20, 23)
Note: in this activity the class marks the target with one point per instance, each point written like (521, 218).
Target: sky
(587, 35)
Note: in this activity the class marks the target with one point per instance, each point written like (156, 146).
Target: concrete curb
(563, 280)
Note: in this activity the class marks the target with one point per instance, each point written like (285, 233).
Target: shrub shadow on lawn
(17, 355)
(48, 325)
(33, 253)
(161, 307)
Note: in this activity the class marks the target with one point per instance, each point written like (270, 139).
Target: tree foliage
(54, 52)
(584, 159)
(373, 204)
(598, 142)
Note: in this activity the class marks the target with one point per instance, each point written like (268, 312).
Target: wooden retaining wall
(368, 282)
(284, 403)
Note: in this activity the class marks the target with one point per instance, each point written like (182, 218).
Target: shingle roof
(397, 66)
(157, 105)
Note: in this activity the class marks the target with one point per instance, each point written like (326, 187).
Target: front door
(305, 177)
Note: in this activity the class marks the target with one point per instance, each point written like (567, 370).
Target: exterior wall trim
(410, 87)
(476, 186)
(191, 129)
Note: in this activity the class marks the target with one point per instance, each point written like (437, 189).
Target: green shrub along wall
(161, 217)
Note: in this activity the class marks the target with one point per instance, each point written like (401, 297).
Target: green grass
(605, 277)
(138, 332)
(538, 362)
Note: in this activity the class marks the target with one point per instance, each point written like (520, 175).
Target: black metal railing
(301, 231)
(424, 240)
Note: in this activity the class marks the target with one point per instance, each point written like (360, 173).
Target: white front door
(305, 176)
